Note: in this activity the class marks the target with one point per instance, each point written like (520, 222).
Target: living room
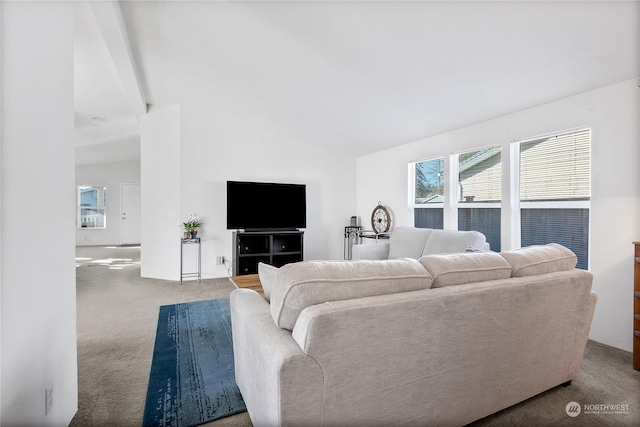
(188, 152)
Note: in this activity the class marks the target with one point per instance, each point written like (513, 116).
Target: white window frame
(456, 174)
(456, 205)
(412, 192)
(80, 208)
(515, 217)
(510, 204)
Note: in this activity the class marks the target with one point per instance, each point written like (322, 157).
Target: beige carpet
(117, 319)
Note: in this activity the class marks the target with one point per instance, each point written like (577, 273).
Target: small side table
(351, 237)
(183, 242)
(370, 234)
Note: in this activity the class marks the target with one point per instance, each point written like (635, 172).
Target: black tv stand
(267, 230)
(275, 247)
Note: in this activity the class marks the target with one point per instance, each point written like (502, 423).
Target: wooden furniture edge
(636, 306)
(248, 281)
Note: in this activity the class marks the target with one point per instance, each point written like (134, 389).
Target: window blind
(556, 168)
(429, 218)
(484, 220)
(569, 227)
(480, 181)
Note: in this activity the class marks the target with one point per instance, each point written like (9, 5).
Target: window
(547, 196)
(429, 193)
(92, 202)
(555, 191)
(480, 193)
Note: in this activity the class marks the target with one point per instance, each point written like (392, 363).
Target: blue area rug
(192, 377)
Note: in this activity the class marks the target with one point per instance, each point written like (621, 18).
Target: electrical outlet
(48, 398)
(220, 260)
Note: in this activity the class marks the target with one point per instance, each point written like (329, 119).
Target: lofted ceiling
(357, 77)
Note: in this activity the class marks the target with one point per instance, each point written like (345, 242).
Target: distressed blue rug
(192, 377)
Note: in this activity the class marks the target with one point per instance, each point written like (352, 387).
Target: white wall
(613, 114)
(110, 175)
(215, 149)
(160, 188)
(37, 281)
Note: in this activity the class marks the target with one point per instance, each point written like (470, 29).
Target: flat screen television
(266, 206)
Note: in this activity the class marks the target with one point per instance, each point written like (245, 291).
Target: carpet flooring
(117, 319)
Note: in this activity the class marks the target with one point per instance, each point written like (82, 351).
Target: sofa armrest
(582, 335)
(280, 384)
(379, 250)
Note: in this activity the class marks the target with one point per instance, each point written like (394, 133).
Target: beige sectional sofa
(412, 242)
(443, 340)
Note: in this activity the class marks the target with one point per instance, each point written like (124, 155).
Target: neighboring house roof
(478, 158)
(433, 199)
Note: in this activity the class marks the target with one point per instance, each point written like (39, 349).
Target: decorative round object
(380, 219)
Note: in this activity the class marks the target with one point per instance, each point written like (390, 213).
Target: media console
(270, 247)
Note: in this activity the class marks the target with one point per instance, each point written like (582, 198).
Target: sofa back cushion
(307, 283)
(268, 277)
(540, 259)
(408, 242)
(452, 241)
(468, 267)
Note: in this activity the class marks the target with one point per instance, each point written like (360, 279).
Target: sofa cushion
(408, 242)
(268, 276)
(540, 259)
(466, 267)
(307, 283)
(453, 241)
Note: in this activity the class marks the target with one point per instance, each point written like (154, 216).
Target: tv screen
(265, 206)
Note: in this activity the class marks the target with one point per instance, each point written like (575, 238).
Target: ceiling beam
(110, 21)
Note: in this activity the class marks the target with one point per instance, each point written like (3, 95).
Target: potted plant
(191, 228)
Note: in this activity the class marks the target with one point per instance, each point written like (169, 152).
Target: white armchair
(414, 242)
(379, 250)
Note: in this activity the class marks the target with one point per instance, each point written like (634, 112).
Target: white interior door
(131, 218)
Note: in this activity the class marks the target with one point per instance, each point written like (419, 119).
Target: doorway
(130, 214)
